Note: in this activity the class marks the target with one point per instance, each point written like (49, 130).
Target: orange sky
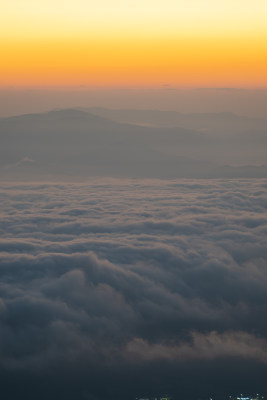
(191, 43)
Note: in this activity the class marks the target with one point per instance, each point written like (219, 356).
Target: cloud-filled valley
(131, 283)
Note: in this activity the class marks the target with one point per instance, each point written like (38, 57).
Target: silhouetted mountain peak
(70, 115)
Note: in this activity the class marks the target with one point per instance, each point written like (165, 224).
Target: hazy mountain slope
(77, 143)
(211, 122)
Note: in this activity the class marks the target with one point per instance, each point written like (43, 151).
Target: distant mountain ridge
(216, 122)
(74, 142)
(71, 114)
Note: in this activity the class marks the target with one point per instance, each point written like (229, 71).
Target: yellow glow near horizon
(113, 42)
(80, 16)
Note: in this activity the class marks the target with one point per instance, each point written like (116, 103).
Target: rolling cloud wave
(118, 277)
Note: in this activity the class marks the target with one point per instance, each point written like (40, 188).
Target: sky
(249, 102)
(193, 43)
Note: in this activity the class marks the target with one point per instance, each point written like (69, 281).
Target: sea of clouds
(110, 280)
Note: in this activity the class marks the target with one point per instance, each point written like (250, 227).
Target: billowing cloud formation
(118, 287)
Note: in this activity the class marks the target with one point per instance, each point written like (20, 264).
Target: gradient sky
(187, 43)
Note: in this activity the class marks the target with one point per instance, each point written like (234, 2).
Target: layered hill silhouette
(78, 143)
(206, 122)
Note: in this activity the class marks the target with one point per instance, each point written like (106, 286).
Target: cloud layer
(116, 287)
